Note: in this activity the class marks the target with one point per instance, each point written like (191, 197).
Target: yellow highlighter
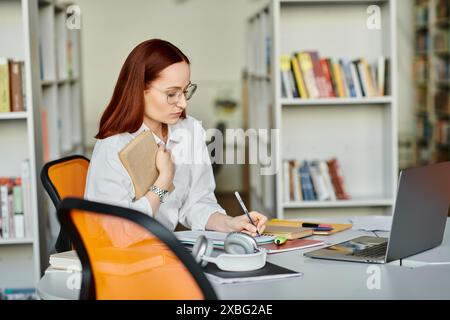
(279, 240)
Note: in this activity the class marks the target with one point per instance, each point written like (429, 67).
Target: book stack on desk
(293, 229)
(290, 232)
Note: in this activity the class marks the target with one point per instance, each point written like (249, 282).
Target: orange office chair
(63, 178)
(126, 254)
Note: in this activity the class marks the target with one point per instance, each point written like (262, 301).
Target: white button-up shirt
(192, 201)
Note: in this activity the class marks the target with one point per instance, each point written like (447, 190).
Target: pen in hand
(246, 211)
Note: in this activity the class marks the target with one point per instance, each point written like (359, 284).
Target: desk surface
(322, 279)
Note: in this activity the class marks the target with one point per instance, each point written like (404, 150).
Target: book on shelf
(337, 179)
(316, 180)
(443, 10)
(12, 92)
(25, 176)
(305, 74)
(285, 69)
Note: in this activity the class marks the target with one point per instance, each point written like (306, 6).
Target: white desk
(323, 279)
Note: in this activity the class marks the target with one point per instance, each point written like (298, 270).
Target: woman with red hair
(151, 94)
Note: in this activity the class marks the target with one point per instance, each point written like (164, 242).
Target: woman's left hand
(241, 223)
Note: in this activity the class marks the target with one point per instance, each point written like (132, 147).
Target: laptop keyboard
(376, 251)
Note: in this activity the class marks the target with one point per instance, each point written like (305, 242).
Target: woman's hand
(241, 223)
(165, 166)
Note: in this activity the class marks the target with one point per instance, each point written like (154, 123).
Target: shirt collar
(172, 134)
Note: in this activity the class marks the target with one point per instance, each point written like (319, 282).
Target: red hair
(125, 111)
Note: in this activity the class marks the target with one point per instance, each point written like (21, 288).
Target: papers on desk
(372, 223)
(218, 238)
(268, 272)
(296, 244)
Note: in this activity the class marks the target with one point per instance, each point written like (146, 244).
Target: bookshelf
(34, 32)
(431, 75)
(360, 132)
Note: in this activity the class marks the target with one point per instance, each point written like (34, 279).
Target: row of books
(306, 75)
(422, 14)
(316, 180)
(12, 85)
(15, 205)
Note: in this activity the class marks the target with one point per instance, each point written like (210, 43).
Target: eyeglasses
(174, 96)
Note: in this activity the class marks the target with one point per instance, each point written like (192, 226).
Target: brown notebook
(139, 159)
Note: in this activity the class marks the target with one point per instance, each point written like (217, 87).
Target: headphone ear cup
(240, 243)
(202, 247)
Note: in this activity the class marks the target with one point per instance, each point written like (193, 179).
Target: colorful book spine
(318, 73)
(285, 66)
(339, 80)
(328, 78)
(16, 92)
(307, 186)
(345, 65)
(300, 82)
(306, 66)
(359, 89)
(318, 182)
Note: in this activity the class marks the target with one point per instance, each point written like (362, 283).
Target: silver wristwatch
(161, 193)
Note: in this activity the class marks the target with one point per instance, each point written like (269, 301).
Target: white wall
(210, 32)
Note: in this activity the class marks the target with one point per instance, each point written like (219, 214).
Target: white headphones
(242, 253)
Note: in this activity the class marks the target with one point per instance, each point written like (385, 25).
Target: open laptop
(418, 222)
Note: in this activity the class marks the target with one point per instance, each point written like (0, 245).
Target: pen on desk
(238, 197)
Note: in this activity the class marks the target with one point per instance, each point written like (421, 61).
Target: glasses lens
(190, 91)
(173, 98)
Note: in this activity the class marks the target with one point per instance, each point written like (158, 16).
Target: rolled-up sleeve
(108, 181)
(201, 202)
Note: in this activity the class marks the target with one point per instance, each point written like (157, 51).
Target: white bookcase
(360, 132)
(35, 31)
